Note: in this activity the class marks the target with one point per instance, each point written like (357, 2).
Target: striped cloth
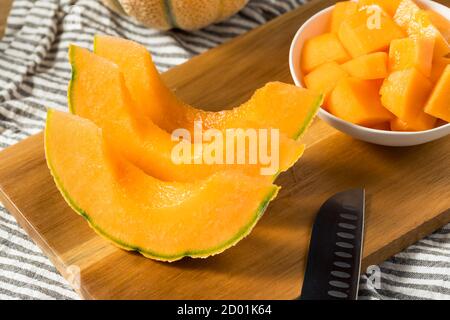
(34, 73)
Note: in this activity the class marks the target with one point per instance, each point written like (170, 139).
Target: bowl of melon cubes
(383, 67)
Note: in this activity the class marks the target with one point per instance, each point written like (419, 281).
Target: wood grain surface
(407, 188)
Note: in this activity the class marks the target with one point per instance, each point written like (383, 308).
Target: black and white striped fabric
(34, 73)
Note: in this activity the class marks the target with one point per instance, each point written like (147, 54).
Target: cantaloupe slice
(417, 24)
(421, 123)
(368, 67)
(412, 53)
(405, 93)
(161, 220)
(161, 105)
(98, 92)
(442, 24)
(342, 10)
(364, 33)
(389, 6)
(438, 104)
(323, 79)
(439, 65)
(358, 101)
(322, 49)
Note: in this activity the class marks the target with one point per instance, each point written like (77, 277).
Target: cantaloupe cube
(417, 24)
(385, 126)
(442, 24)
(368, 67)
(322, 49)
(342, 10)
(422, 122)
(324, 78)
(358, 101)
(439, 103)
(364, 33)
(405, 93)
(438, 68)
(411, 53)
(389, 6)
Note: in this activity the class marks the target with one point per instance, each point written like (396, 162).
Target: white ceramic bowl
(317, 25)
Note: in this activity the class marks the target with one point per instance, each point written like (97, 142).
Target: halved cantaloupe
(362, 34)
(324, 78)
(368, 67)
(159, 103)
(417, 24)
(412, 53)
(97, 92)
(342, 10)
(438, 104)
(322, 49)
(405, 93)
(162, 220)
(389, 6)
(358, 101)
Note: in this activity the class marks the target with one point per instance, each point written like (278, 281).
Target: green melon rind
(309, 118)
(72, 78)
(242, 233)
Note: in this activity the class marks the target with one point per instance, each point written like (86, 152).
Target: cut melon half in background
(161, 220)
(98, 92)
(277, 105)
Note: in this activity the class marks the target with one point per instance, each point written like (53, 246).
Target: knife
(335, 250)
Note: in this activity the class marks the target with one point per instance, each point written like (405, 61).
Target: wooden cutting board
(408, 192)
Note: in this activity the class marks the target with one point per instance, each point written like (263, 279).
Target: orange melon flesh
(442, 24)
(389, 6)
(162, 220)
(412, 53)
(322, 49)
(295, 107)
(342, 10)
(357, 101)
(421, 123)
(385, 126)
(439, 103)
(323, 79)
(438, 68)
(417, 24)
(359, 37)
(405, 93)
(98, 92)
(368, 67)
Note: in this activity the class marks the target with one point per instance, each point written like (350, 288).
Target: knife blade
(335, 251)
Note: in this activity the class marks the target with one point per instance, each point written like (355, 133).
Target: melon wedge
(279, 106)
(98, 92)
(161, 220)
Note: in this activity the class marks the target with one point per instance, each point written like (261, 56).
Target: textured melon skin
(242, 233)
(183, 14)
